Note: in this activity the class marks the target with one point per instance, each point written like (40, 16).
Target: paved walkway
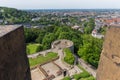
(87, 67)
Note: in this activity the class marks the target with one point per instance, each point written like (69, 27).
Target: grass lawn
(32, 48)
(42, 59)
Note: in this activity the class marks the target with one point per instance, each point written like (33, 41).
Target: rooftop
(4, 29)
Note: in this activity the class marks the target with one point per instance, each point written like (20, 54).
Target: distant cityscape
(61, 44)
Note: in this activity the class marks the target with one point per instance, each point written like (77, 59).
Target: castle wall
(109, 66)
(59, 44)
(13, 58)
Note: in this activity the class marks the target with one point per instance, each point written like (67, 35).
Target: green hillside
(13, 16)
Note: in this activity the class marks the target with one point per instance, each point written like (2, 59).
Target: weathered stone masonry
(109, 66)
(13, 58)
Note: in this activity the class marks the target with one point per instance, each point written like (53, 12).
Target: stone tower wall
(13, 58)
(109, 66)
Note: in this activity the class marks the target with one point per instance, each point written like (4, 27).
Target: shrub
(81, 75)
(66, 78)
(33, 48)
(88, 78)
(39, 48)
(69, 57)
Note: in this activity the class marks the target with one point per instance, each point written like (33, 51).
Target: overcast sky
(61, 4)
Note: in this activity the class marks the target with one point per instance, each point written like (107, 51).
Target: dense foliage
(89, 26)
(81, 75)
(45, 36)
(91, 49)
(12, 15)
(33, 48)
(69, 57)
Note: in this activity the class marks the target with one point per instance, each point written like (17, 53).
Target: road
(87, 67)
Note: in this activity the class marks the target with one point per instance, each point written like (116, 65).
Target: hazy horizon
(61, 4)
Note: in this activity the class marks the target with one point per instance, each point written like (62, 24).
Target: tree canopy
(91, 49)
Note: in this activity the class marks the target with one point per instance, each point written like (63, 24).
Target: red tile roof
(109, 21)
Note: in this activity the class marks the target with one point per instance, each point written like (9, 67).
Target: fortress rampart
(109, 65)
(61, 44)
(13, 58)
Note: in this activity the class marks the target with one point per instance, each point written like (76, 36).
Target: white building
(76, 27)
(96, 34)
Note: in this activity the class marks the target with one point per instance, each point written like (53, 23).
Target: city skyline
(61, 4)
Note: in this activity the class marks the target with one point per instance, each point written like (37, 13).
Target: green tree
(91, 49)
(30, 35)
(40, 37)
(89, 26)
(39, 48)
(47, 40)
(69, 57)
